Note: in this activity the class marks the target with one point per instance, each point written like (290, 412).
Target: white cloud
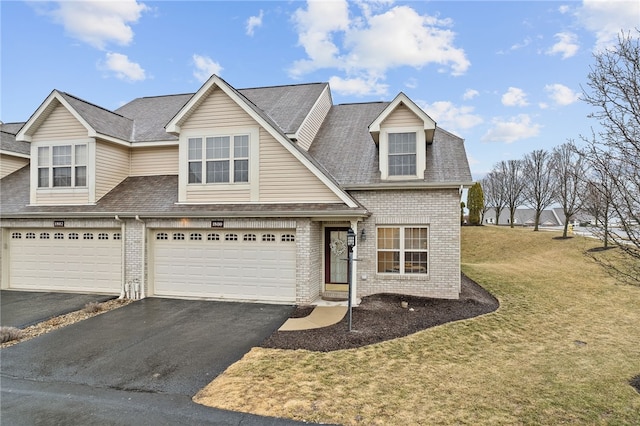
(98, 23)
(205, 67)
(563, 9)
(357, 86)
(606, 18)
(470, 94)
(561, 94)
(567, 45)
(515, 97)
(123, 68)
(254, 22)
(452, 117)
(379, 39)
(511, 130)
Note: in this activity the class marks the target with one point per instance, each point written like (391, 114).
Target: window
(178, 236)
(195, 236)
(44, 235)
(231, 237)
(30, 236)
(73, 236)
(116, 236)
(288, 238)
(213, 237)
(161, 236)
(249, 237)
(403, 250)
(268, 237)
(222, 159)
(103, 236)
(58, 236)
(16, 235)
(402, 154)
(87, 236)
(62, 166)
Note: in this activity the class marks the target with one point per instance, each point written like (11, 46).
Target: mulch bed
(381, 317)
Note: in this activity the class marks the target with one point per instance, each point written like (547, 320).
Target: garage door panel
(43, 262)
(247, 268)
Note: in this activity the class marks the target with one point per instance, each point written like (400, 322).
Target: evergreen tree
(475, 203)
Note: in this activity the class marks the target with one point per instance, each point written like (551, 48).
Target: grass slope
(561, 349)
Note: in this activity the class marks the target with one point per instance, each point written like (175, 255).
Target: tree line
(599, 175)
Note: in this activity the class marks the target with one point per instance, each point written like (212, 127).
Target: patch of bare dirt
(91, 310)
(381, 317)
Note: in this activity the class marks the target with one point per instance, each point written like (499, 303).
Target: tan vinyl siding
(402, 117)
(285, 179)
(312, 123)
(112, 167)
(162, 160)
(60, 125)
(217, 110)
(9, 164)
(214, 195)
(62, 197)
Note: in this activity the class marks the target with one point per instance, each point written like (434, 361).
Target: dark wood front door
(335, 259)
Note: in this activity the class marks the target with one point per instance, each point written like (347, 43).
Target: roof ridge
(283, 85)
(163, 96)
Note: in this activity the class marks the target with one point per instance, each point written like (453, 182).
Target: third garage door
(238, 265)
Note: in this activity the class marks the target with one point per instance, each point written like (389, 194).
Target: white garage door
(237, 265)
(78, 260)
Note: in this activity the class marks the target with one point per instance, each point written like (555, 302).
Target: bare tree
(539, 188)
(613, 89)
(494, 194)
(513, 170)
(597, 201)
(569, 168)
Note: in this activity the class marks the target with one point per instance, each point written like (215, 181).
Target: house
(234, 194)
(525, 217)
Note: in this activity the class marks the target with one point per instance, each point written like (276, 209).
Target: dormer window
(62, 166)
(402, 154)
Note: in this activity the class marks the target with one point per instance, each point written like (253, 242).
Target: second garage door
(235, 265)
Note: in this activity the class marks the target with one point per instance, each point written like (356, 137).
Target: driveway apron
(153, 345)
(24, 308)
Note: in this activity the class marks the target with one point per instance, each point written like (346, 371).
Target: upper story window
(402, 154)
(218, 159)
(62, 166)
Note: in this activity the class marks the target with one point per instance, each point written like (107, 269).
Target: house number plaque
(58, 223)
(217, 223)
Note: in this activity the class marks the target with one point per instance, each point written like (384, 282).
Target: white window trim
(183, 158)
(89, 190)
(403, 250)
(421, 152)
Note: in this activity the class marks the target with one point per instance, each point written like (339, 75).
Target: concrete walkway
(321, 316)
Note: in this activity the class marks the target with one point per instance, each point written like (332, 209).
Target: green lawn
(561, 349)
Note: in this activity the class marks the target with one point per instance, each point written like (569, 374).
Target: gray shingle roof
(287, 106)
(149, 195)
(346, 149)
(151, 114)
(8, 141)
(100, 119)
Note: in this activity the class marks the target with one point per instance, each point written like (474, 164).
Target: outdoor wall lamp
(363, 235)
(351, 239)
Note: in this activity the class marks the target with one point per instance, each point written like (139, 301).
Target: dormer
(402, 131)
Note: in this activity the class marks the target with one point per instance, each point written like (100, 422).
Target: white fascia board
(313, 108)
(14, 154)
(408, 185)
(25, 133)
(429, 123)
(150, 144)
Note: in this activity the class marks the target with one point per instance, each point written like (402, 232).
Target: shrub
(92, 307)
(8, 334)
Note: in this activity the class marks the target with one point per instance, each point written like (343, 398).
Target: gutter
(140, 286)
(407, 185)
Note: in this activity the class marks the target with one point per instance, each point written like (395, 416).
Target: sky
(507, 76)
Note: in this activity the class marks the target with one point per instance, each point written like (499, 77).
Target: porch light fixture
(363, 235)
(351, 239)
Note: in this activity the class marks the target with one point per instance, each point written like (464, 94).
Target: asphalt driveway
(160, 351)
(24, 308)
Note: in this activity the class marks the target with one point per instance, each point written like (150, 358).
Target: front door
(335, 259)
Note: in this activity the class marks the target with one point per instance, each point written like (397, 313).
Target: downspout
(140, 285)
(122, 260)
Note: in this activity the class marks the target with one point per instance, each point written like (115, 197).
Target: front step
(335, 296)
